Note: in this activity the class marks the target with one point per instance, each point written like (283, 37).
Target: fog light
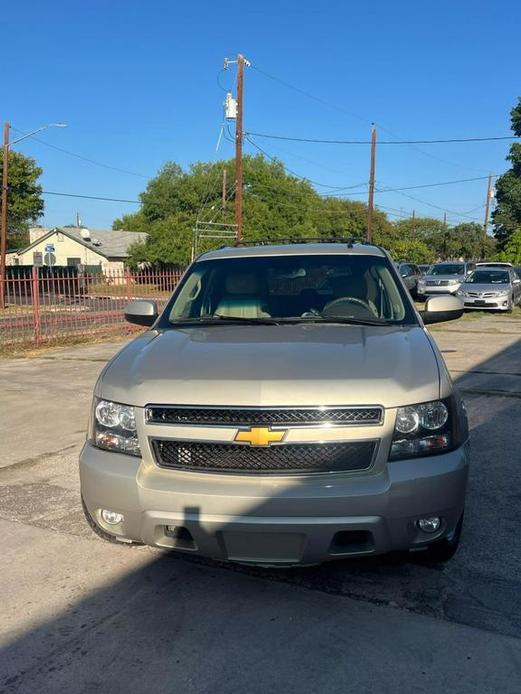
(429, 525)
(111, 517)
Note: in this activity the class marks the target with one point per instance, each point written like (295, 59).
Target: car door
(407, 275)
(516, 286)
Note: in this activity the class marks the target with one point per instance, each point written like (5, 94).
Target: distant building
(89, 248)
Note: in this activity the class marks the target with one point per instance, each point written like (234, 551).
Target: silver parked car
(491, 288)
(286, 407)
(443, 278)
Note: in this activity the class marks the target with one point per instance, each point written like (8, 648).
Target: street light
(5, 179)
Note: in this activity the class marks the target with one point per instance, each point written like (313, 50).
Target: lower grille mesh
(285, 458)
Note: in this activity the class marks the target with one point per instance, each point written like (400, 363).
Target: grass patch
(121, 290)
(25, 350)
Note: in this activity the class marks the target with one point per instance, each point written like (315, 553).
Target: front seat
(242, 297)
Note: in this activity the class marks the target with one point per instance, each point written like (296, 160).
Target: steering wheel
(346, 301)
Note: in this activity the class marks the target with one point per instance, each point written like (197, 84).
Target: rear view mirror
(442, 308)
(141, 312)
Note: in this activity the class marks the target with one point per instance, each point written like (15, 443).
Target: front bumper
(425, 290)
(275, 520)
(492, 303)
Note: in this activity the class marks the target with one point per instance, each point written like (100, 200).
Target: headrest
(241, 283)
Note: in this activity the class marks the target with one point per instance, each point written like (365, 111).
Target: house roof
(107, 242)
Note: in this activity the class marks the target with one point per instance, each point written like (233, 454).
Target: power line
(87, 159)
(382, 142)
(365, 120)
(89, 197)
(293, 173)
(437, 207)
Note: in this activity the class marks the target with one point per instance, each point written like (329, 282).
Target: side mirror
(141, 312)
(442, 308)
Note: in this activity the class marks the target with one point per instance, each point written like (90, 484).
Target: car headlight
(424, 429)
(504, 292)
(453, 282)
(114, 427)
(460, 292)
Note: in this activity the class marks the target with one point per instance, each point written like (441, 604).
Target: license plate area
(264, 547)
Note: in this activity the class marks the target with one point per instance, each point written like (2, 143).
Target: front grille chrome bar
(193, 415)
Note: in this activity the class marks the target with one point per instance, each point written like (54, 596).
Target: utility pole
(414, 223)
(445, 236)
(370, 206)
(487, 212)
(238, 147)
(3, 242)
(224, 190)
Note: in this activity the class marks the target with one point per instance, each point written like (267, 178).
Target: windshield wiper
(216, 320)
(346, 320)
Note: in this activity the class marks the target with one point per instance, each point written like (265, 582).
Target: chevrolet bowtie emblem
(259, 436)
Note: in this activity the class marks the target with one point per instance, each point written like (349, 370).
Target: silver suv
(287, 406)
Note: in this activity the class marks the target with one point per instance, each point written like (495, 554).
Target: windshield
(488, 277)
(350, 288)
(448, 269)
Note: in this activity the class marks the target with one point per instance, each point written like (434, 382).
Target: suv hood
(281, 365)
(485, 287)
(459, 278)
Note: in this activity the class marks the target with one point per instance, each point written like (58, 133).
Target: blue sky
(137, 85)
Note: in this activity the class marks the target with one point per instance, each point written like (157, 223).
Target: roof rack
(304, 239)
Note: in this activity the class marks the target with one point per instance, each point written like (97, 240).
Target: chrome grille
(276, 459)
(276, 416)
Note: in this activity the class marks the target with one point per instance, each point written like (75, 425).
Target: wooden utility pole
(238, 147)
(3, 240)
(370, 205)
(487, 213)
(445, 236)
(224, 190)
(414, 223)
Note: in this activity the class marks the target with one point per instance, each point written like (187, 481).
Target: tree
(24, 201)
(412, 250)
(512, 251)
(277, 205)
(507, 215)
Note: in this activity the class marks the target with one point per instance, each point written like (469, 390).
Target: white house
(104, 248)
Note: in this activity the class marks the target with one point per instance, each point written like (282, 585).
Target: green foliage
(24, 201)
(507, 215)
(464, 240)
(413, 250)
(276, 206)
(512, 251)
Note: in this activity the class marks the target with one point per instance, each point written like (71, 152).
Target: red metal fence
(40, 309)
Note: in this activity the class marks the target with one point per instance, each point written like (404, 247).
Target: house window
(73, 262)
(37, 258)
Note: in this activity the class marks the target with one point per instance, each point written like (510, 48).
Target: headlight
(460, 292)
(504, 292)
(115, 427)
(424, 429)
(453, 282)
